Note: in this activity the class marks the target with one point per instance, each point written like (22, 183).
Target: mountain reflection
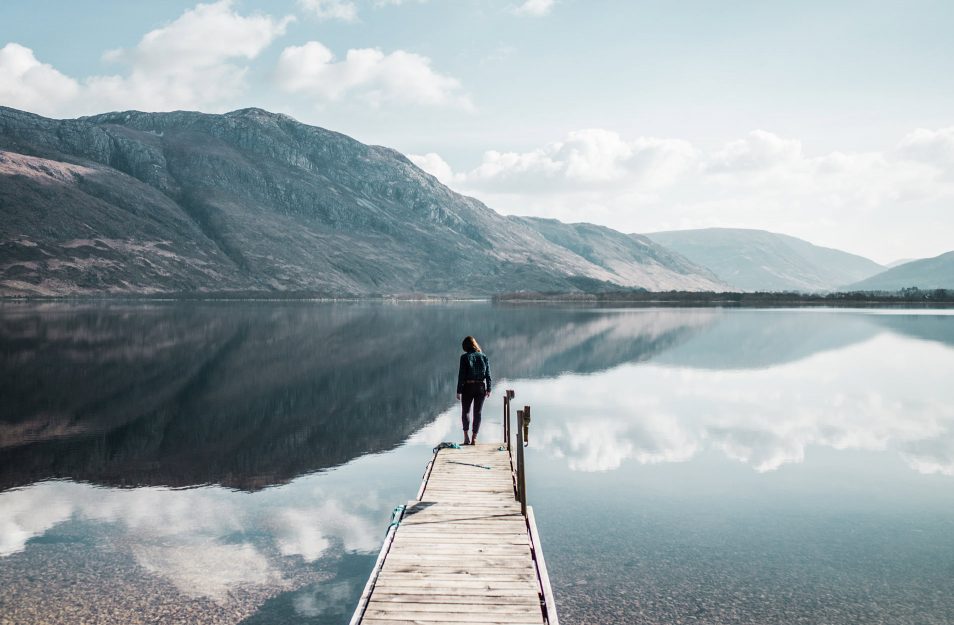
(249, 395)
(253, 394)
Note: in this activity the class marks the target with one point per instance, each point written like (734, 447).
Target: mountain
(757, 260)
(898, 263)
(633, 257)
(252, 201)
(927, 273)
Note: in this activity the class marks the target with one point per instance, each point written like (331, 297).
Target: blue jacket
(473, 366)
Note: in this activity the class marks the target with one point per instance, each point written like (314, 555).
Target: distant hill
(927, 273)
(256, 202)
(898, 263)
(634, 258)
(758, 260)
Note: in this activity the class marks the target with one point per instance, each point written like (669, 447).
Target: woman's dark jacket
(474, 366)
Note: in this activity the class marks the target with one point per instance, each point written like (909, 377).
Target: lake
(237, 462)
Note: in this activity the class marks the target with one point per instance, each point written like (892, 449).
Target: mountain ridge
(924, 273)
(760, 260)
(252, 201)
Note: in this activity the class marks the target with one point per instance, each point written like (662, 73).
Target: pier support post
(508, 395)
(521, 465)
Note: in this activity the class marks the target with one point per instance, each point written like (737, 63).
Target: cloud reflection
(207, 542)
(867, 396)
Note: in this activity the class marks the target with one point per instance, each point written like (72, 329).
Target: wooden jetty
(466, 550)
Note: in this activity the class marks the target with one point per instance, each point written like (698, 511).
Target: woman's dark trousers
(473, 393)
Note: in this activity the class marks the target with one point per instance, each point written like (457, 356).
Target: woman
(473, 385)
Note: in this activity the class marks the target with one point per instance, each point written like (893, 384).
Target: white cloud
(588, 158)
(931, 146)
(198, 60)
(759, 150)
(26, 83)
(534, 8)
(436, 166)
(404, 77)
(330, 9)
(761, 180)
(192, 62)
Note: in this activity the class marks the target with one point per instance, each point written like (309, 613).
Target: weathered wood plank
(455, 608)
(472, 600)
(462, 592)
(453, 617)
(462, 553)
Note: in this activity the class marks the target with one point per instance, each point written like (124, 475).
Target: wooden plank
(491, 524)
(424, 534)
(460, 547)
(456, 576)
(421, 586)
(463, 552)
(401, 613)
(515, 579)
(472, 600)
(429, 606)
(482, 574)
(444, 510)
(488, 619)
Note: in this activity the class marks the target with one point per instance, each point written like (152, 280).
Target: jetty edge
(466, 549)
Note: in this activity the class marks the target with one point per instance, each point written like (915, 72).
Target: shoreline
(910, 298)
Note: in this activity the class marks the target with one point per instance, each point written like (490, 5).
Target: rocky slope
(927, 273)
(633, 257)
(757, 260)
(252, 201)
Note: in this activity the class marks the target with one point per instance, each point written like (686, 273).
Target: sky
(830, 121)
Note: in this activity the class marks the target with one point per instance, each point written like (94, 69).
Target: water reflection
(298, 426)
(764, 418)
(249, 395)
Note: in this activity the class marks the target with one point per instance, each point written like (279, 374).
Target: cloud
(330, 9)
(193, 62)
(759, 150)
(534, 8)
(587, 158)
(761, 180)
(26, 83)
(931, 146)
(198, 60)
(403, 77)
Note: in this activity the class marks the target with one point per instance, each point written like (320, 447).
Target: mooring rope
(398, 511)
(446, 446)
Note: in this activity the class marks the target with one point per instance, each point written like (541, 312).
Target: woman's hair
(470, 344)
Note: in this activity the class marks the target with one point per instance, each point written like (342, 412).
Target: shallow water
(238, 462)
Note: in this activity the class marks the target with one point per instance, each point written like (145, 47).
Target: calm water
(238, 462)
